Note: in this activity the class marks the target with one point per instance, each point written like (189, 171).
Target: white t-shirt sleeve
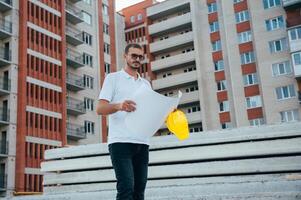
(107, 90)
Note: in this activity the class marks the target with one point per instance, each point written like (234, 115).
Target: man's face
(134, 57)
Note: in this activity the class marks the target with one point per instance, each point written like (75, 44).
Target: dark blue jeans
(130, 163)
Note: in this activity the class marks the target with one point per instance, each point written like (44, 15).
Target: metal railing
(76, 130)
(74, 79)
(73, 32)
(4, 114)
(74, 56)
(5, 54)
(3, 147)
(6, 25)
(9, 2)
(74, 10)
(3, 179)
(5, 84)
(75, 104)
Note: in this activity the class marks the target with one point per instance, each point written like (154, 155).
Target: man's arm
(105, 108)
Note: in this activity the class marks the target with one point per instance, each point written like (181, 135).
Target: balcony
(4, 116)
(75, 107)
(170, 25)
(75, 132)
(288, 4)
(73, 14)
(75, 83)
(173, 61)
(74, 36)
(167, 8)
(189, 97)
(5, 85)
(297, 71)
(3, 149)
(5, 57)
(5, 29)
(172, 43)
(5, 5)
(74, 58)
(295, 45)
(3, 180)
(175, 80)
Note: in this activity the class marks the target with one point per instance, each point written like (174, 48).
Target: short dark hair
(132, 45)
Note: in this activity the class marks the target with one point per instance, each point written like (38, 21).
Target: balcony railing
(76, 131)
(4, 115)
(4, 147)
(75, 82)
(5, 85)
(74, 36)
(75, 106)
(74, 15)
(9, 2)
(5, 5)
(74, 58)
(5, 54)
(6, 25)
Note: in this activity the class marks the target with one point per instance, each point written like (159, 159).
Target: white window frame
(214, 27)
(296, 56)
(253, 102)
(289, 115)
(89, 104)
(89, 127)
(257, 122)
(226, 125)
(275, 23)
(224, 106)
(294, 33)
(88, 59)
(87, 17)
(219, 65)
(105, 9)
(88, 81)
(271, 3)
(212, 7)
(242, 16)
(250, 79)
(216, 45)
(274, 45)
(244, 37)
(285, 92)
(87, 38)
(221, 85)
(247, 58)
(107, 48)
(282, 68)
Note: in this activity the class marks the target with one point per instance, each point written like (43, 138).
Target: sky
(125, 3)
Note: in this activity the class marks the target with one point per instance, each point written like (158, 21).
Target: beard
(133, 66)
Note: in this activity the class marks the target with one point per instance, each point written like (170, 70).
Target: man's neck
(131, 72)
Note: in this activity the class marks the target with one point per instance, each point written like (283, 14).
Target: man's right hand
(127, 106)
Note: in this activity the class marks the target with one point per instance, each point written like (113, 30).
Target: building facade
(54, 56)
(234, 61)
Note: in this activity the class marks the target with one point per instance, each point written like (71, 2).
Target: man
(129, 155)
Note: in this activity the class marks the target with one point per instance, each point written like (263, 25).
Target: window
(191, 89)
(106, 28)
(278, 45)
(216, 45)
(214, 26)
(87, 17)
(188, 50)
(212, 7)
(244, 37)
(271, 3)
(250, 79)
(107, 48)
(105, 9)
(247, 58)
(275, 23)
(193, 109)
(89, 104)
(285, 92)
(88, 59)
(226, 125)
(107, 68)
(253, 102)
(89, 2)
(89, 127)
(167, 74)
(132, 19)
(224, 106)
(139, 17)
(221, 85)
(282, 68)
(289, 115)
(297, 58)
(219, 65)
(256, 122)
(87, 38)
(242, 16)
(88, 81)
(190, 69)
(295, 33)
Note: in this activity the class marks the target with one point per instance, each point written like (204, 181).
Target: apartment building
(234, 61)
(54, 55)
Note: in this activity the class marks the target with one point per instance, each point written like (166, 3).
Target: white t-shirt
(117, 87)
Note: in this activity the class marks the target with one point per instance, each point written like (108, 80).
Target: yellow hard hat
(176, 123)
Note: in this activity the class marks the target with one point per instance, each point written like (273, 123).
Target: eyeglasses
(135, 56)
